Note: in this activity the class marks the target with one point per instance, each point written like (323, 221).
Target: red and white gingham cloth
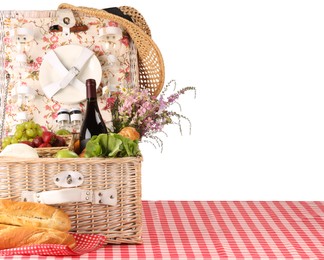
(224, 230)
(84, 244)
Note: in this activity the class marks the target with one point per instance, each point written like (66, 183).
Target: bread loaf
(33, 214)
(13, 236)
(130, 132)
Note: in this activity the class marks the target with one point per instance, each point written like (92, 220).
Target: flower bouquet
(137, 109)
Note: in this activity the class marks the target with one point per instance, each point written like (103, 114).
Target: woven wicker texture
(137, 18)
(121, 223)
(151, 65)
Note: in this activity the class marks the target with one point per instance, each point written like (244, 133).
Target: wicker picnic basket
(109, 191)
(100, 195)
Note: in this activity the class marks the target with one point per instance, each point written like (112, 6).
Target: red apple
(48, 137)
(37, 141)
(45, 145)
(28, 143)
(59, 141)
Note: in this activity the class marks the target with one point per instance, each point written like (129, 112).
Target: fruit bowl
(49, 152)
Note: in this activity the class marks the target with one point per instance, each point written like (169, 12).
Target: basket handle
(105, 197)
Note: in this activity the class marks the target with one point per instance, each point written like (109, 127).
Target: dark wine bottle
(93, 123)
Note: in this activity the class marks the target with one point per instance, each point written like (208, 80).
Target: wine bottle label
(87, 134)
(98, 117)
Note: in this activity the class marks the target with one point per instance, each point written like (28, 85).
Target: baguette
(13, 236)
(33, 214)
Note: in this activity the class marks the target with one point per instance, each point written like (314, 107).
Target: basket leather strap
(69, 76)
(105, 197)
(117, 11)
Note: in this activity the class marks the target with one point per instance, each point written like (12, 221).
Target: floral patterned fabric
(41, 109)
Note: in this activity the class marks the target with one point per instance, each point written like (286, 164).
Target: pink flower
(53, 46)
(162, 105)
(35, 66)
(112, 23)
(39, 60)
(56, 107)
(54, 39)
(109, 103)
(142, 111)
(125, 41)
(173, 98)
(45, 39)
(10, 108)
(7, 40)
(97, 48)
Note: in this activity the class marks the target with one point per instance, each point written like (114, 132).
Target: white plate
(67, 54)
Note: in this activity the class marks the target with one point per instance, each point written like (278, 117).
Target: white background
(258, 129)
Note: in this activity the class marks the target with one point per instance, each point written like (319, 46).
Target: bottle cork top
(91, 88)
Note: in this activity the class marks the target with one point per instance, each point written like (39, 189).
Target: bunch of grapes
(26, 131)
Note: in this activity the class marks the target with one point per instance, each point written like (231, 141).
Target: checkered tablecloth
(224, 230)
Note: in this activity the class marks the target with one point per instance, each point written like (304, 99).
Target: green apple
(62, 132)
(65, 153)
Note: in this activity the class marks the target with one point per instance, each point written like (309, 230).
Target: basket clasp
(68, 179)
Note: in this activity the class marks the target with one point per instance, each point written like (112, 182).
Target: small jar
(63, 118)
(76, 118)
(22, 117)
(21, 65)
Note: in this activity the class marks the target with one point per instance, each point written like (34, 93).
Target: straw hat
(150, 61)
